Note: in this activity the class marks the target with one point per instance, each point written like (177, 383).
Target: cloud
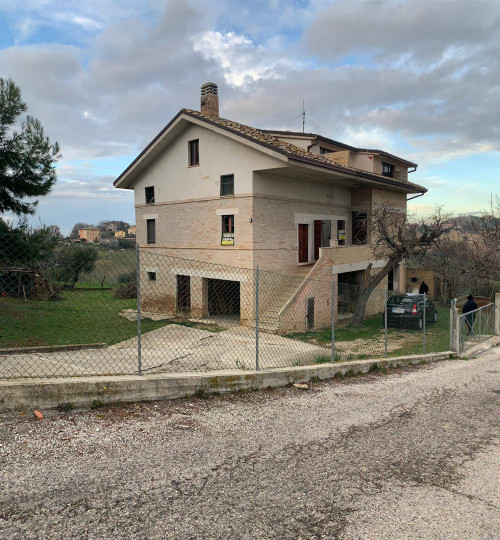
(418, 79)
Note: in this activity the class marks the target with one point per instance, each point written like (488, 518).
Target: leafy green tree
(27, 157)
(74, 260)
(26, 246)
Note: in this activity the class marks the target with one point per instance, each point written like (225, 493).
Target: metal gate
(476, 326)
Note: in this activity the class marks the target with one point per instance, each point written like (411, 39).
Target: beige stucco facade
(274, 198)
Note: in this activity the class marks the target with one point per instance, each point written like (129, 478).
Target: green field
(110, 265)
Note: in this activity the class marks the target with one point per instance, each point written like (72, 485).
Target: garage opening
(223, 298)
(183, 294)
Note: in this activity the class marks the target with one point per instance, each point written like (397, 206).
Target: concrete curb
(53, 348)
(82, 391)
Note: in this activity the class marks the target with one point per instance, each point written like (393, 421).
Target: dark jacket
(424, 289)
(470, 305)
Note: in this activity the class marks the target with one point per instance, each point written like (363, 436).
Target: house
(216, 191)
(120, 234)
(114, 226)
(89, 234)
(131, 230)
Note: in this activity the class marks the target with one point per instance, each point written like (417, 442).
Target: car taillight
(414, 310)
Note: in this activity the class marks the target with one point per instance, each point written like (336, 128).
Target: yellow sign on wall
(227, 239)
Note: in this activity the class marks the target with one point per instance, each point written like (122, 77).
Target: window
(227, 231)
(227, 185)
(151, 231)
(194, 153)
(150, 194)
(323, 150)
(341, 232)
(387, 169)
(151, 276)
(359, 228)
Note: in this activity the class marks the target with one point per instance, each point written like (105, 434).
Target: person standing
(424, 288)
(469, 311)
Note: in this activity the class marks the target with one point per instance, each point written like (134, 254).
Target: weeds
(65, 407)
(96, 404)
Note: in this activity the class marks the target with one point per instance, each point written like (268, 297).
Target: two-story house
(214, 190)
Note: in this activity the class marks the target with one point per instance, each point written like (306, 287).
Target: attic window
(387, 169)
(323, 150)
(194, 153)
(150, 194)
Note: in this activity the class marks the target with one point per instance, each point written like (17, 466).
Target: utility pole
(303, 117)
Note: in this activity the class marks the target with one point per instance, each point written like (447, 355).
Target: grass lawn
(408, 341)
(80, 317)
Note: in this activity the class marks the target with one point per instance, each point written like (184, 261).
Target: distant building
(113, 226)
(120, 234)
(90, 234)
(132, 230)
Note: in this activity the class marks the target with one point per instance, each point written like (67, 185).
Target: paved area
(413, 454)
(172, 348)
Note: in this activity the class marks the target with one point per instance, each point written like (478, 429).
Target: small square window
(194, 152)
(150, 194)
(387, 169)
(227, 185)
(151, 231)
(151, 276)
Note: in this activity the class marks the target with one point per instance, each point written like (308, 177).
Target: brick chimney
(210, 100)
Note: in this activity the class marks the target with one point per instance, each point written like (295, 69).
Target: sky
(416, 78)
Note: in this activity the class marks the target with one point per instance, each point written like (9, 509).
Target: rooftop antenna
(303, 114)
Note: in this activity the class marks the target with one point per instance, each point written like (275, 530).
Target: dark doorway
(317, 238)
(390, 280)
(303, 243)
(359, 228)
(183, 294)
(223, 297)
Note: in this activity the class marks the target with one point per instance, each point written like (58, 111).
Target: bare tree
(468, 258)
(393, 238)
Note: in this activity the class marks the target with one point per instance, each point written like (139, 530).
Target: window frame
(390, 172)
(152, 276)
(229, 184)
(194, 157)
(227, 236)
(148, 196)
(150, 239)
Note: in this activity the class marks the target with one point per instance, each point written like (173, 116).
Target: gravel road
(408, 455)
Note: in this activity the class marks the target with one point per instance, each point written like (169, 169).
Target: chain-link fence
(76, 310)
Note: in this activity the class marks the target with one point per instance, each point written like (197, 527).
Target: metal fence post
(138, 272)
(425, 317)
(257, 319)
(333, 320)
(453, 314)
(479, 336)
(385, 320)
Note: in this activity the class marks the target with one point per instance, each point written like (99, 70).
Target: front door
(317, 238)
(303, 243)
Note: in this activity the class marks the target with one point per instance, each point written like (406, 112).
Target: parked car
(407, 311)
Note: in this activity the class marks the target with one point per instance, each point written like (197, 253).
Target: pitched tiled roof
(295, 152)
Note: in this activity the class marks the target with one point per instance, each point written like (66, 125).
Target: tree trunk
(370, 283)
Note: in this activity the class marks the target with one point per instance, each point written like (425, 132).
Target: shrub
(127, 278)
(126, 291)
